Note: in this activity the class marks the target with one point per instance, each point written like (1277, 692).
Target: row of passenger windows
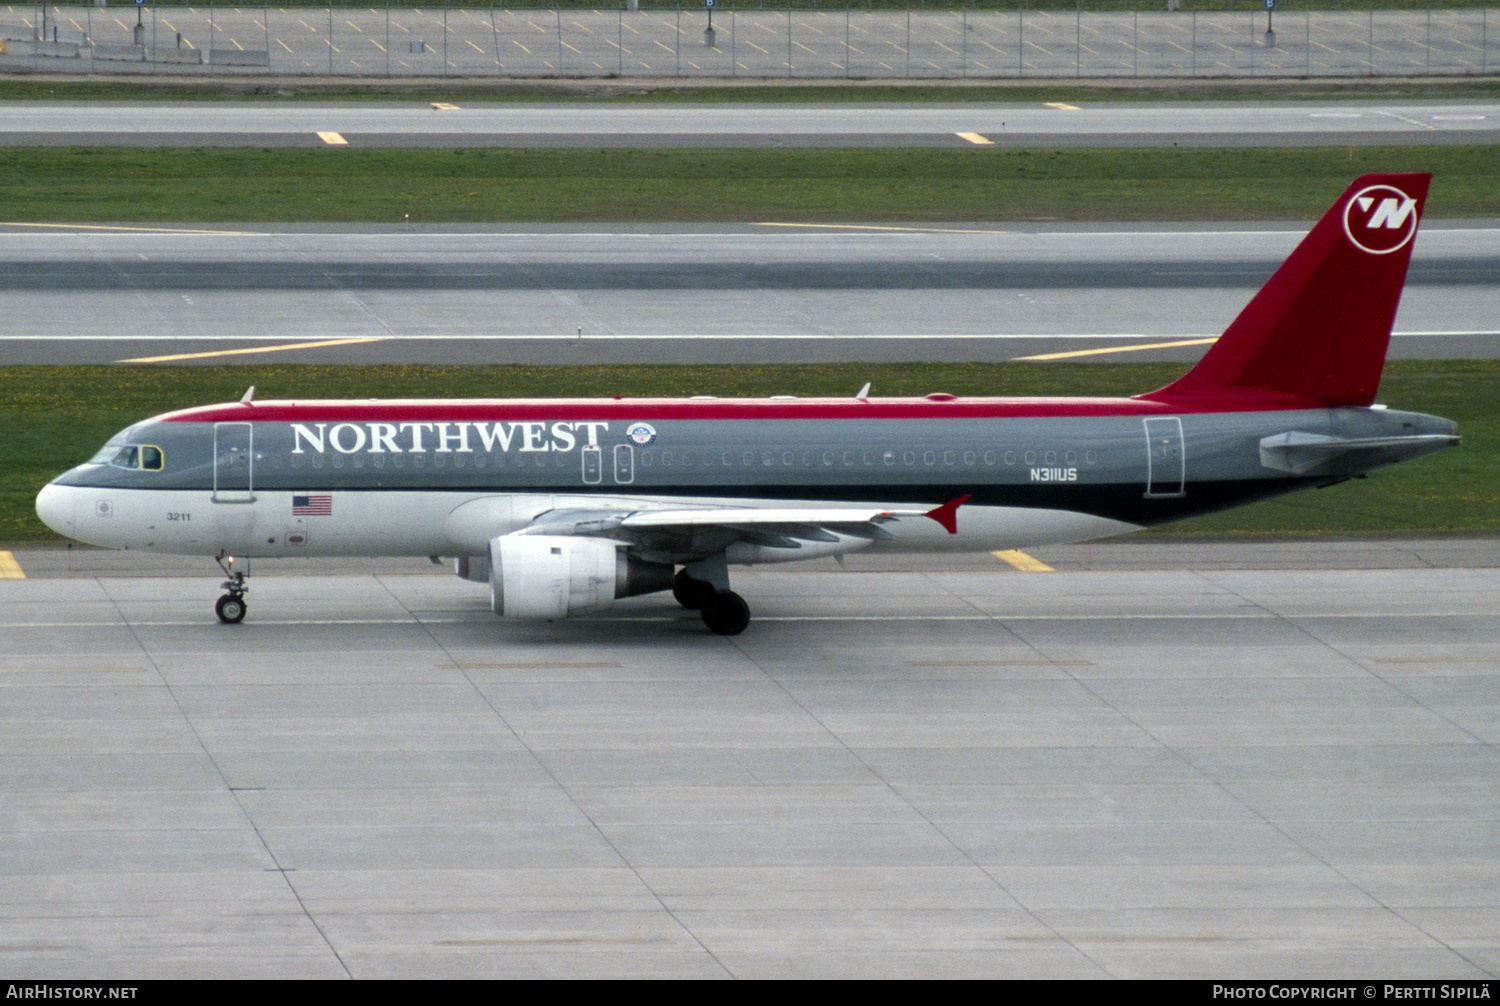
(682, 460)
(868, 457)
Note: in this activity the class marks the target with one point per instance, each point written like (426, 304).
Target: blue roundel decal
(640, 434)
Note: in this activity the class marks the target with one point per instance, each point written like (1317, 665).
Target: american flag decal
(312, 506)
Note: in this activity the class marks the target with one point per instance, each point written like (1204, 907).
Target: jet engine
(554, 576)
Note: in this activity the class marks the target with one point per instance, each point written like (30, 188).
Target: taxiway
(1164, 770)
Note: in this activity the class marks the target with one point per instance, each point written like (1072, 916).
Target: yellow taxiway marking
(1119, 349)
(333, 139)
(531, 666)
(9, 568)
(443, 106)
(871, 227)
(132, 230)
(1022, 561)
(1063, 105)
(71, 670)
(977, 139)
(283, 347)
(1000, 663)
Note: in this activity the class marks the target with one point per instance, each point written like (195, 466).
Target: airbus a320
(564, 506)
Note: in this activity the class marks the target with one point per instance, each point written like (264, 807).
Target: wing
(746, 534)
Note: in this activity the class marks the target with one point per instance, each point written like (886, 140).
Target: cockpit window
(106, 454)
(145, 457)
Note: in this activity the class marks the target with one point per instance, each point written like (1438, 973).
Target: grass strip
(54, 417)
(835, 8)
(886, 185)
(475, 90)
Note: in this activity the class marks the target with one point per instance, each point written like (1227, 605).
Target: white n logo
(1380, 219)
(1391, 213)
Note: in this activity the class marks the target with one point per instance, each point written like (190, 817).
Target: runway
(1184, 760)
(813, 124)
(760, 293)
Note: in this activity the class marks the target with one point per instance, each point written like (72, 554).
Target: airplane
(564, 506)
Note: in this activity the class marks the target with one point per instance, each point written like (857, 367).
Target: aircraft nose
(54, 505)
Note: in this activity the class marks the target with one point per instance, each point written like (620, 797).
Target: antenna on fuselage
(863, 393)
(248, 396)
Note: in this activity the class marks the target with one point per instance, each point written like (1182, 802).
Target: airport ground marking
(9, 568)
(444, 106)
(333, 139)
(531, 666)
(1071, 354)
(1415, 122)
(1061, 106)
(1020, 560)
(72, 670)
(128, 230)
(978, 139)
(282, 347)
(873, 227)
(1000, 663)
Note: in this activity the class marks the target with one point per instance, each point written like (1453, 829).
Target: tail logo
(1380, 219)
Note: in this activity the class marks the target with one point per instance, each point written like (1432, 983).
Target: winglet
(947, 514)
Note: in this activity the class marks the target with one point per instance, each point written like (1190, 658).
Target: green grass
(54, 417)
(891, 185)
(1059, 6)
(477, 89)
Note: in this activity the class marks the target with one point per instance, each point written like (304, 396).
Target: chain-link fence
(752, 42)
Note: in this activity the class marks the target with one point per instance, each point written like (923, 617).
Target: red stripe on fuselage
(728, 409)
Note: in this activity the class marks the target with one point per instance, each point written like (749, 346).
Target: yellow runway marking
(131, 230)
(333, 139)
(284, 347)
(1063, 105)
(1415, 122)
(1000, 663)
(9, 568)
(1022, 561)
(1119, 349)
(977, 139)
(871, 227)
(443, 106)
(72, 670)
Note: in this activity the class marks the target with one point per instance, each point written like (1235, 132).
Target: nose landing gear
(231, 607)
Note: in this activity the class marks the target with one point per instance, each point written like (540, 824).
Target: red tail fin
(1316, 334)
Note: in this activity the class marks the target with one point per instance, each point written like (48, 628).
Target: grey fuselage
(443, 477)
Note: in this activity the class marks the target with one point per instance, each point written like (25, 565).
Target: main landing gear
(724, 612)
(231, 607)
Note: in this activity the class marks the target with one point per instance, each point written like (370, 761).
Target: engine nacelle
(553, 576)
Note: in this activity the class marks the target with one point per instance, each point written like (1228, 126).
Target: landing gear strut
(692, 594)
(231, 607)
(704, 587)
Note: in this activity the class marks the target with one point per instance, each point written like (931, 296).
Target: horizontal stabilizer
(1299, 453)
